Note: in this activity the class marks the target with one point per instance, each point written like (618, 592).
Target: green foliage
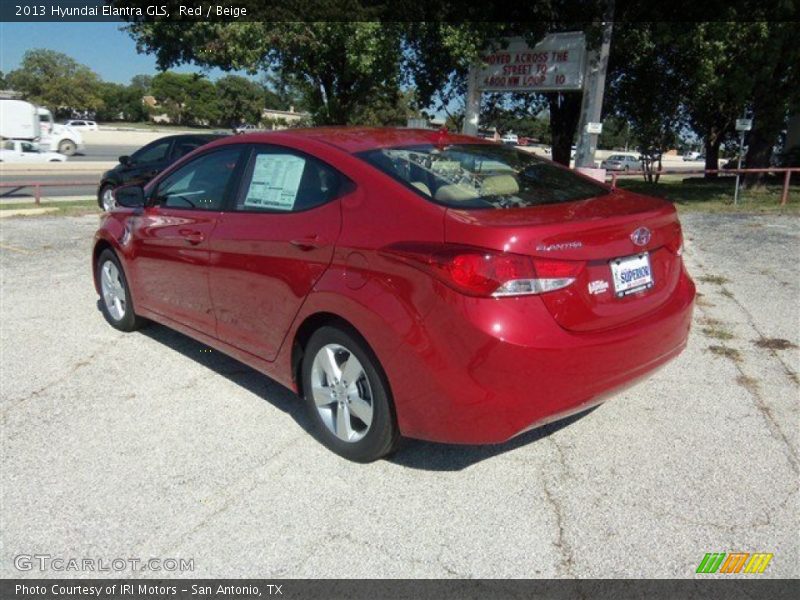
(239, 100)
(338, 68)
(55, 80)
(120, 102)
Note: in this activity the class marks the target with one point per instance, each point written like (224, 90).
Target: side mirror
(125, 160)
(130, 196)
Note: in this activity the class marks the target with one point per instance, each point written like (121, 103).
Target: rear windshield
(481, 176)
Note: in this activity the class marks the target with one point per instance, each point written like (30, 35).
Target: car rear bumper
(470, 380)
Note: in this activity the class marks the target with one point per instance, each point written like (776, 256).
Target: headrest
(499, 185)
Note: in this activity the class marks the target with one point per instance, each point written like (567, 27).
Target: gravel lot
(148, 445)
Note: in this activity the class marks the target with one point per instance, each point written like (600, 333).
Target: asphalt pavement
(150, 445)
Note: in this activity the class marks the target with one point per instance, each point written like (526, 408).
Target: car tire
(116, 303)
(105, 197)
(627, 168)
(333, 387)
(67, 147)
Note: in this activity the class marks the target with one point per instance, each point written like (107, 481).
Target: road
(9, 195)
(148, 445)
(94, 152)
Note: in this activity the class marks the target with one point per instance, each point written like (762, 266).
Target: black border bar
(395, 10)
(730, 588)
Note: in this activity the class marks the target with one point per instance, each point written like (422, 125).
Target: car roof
(359, 139)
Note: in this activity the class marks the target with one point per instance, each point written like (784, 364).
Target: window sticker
(275, 181)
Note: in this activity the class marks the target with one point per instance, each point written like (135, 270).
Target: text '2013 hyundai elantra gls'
(404, 282)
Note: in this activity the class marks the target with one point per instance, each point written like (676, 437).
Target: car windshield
(481, 176)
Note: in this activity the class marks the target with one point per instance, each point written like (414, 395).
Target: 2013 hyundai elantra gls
(404, 282)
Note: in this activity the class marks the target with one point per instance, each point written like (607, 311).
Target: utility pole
(473, 104)
(593, 89)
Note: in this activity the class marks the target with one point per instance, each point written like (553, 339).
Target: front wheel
(347, 396)
(105, 198)
(115, 302)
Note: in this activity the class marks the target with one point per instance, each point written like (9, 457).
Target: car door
(147, 162)
(30, 153)
(170, 238)
(272, 244)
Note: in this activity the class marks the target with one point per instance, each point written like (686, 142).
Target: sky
(103, 47)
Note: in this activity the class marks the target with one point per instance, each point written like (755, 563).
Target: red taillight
(480, 272)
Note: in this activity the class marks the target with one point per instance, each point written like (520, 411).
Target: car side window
(152, 153)
(202, 183)
(28, 147)
(8, 145)
(281, 180)
(183, 148)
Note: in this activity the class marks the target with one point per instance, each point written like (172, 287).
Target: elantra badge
(641, 237)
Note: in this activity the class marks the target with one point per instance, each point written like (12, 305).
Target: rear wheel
(115, 297)
(347, 396)
(67, 147)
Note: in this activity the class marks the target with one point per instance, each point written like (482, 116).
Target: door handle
(307, 243)
(192, 237)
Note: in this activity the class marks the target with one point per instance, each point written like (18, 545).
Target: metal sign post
(742, 125)
(590, 125)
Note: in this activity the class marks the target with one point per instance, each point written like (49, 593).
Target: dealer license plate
(631, 274)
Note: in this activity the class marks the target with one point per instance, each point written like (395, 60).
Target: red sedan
(403, 282)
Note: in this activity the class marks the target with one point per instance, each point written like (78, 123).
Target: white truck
(20, 120)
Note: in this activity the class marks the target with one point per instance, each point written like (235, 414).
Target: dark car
(147, 162)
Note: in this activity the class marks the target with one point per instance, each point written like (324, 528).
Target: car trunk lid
(596, 232)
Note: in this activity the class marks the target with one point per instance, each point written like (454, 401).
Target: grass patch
(715, 279)
(69, 208)
(699, 195)
(731, 353)
(718, 333)
(774, 344)
(749, 383)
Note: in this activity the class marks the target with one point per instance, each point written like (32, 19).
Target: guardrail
(784, 195)
(38, 185)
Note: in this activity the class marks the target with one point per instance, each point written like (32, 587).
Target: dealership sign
(554, 64)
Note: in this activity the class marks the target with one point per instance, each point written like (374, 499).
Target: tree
(645, 89)
(202, 106)
(186, 98)
(55, 80)
(239, 100)
(142, 84)
(776, 91)
(393, 107)
(121, 102)
(617, 134)
(338, 67)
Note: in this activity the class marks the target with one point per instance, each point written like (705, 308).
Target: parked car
(147, 162)
(621, 162)
(245, 128)
(81, 124)
(20, 151)
(403, 284)
(510, 138)
(692, 156)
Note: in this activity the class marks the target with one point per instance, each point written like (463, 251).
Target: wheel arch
(314, 322)
(310, 324)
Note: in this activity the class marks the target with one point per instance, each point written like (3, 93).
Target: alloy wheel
(113, 290)
(342, 393)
